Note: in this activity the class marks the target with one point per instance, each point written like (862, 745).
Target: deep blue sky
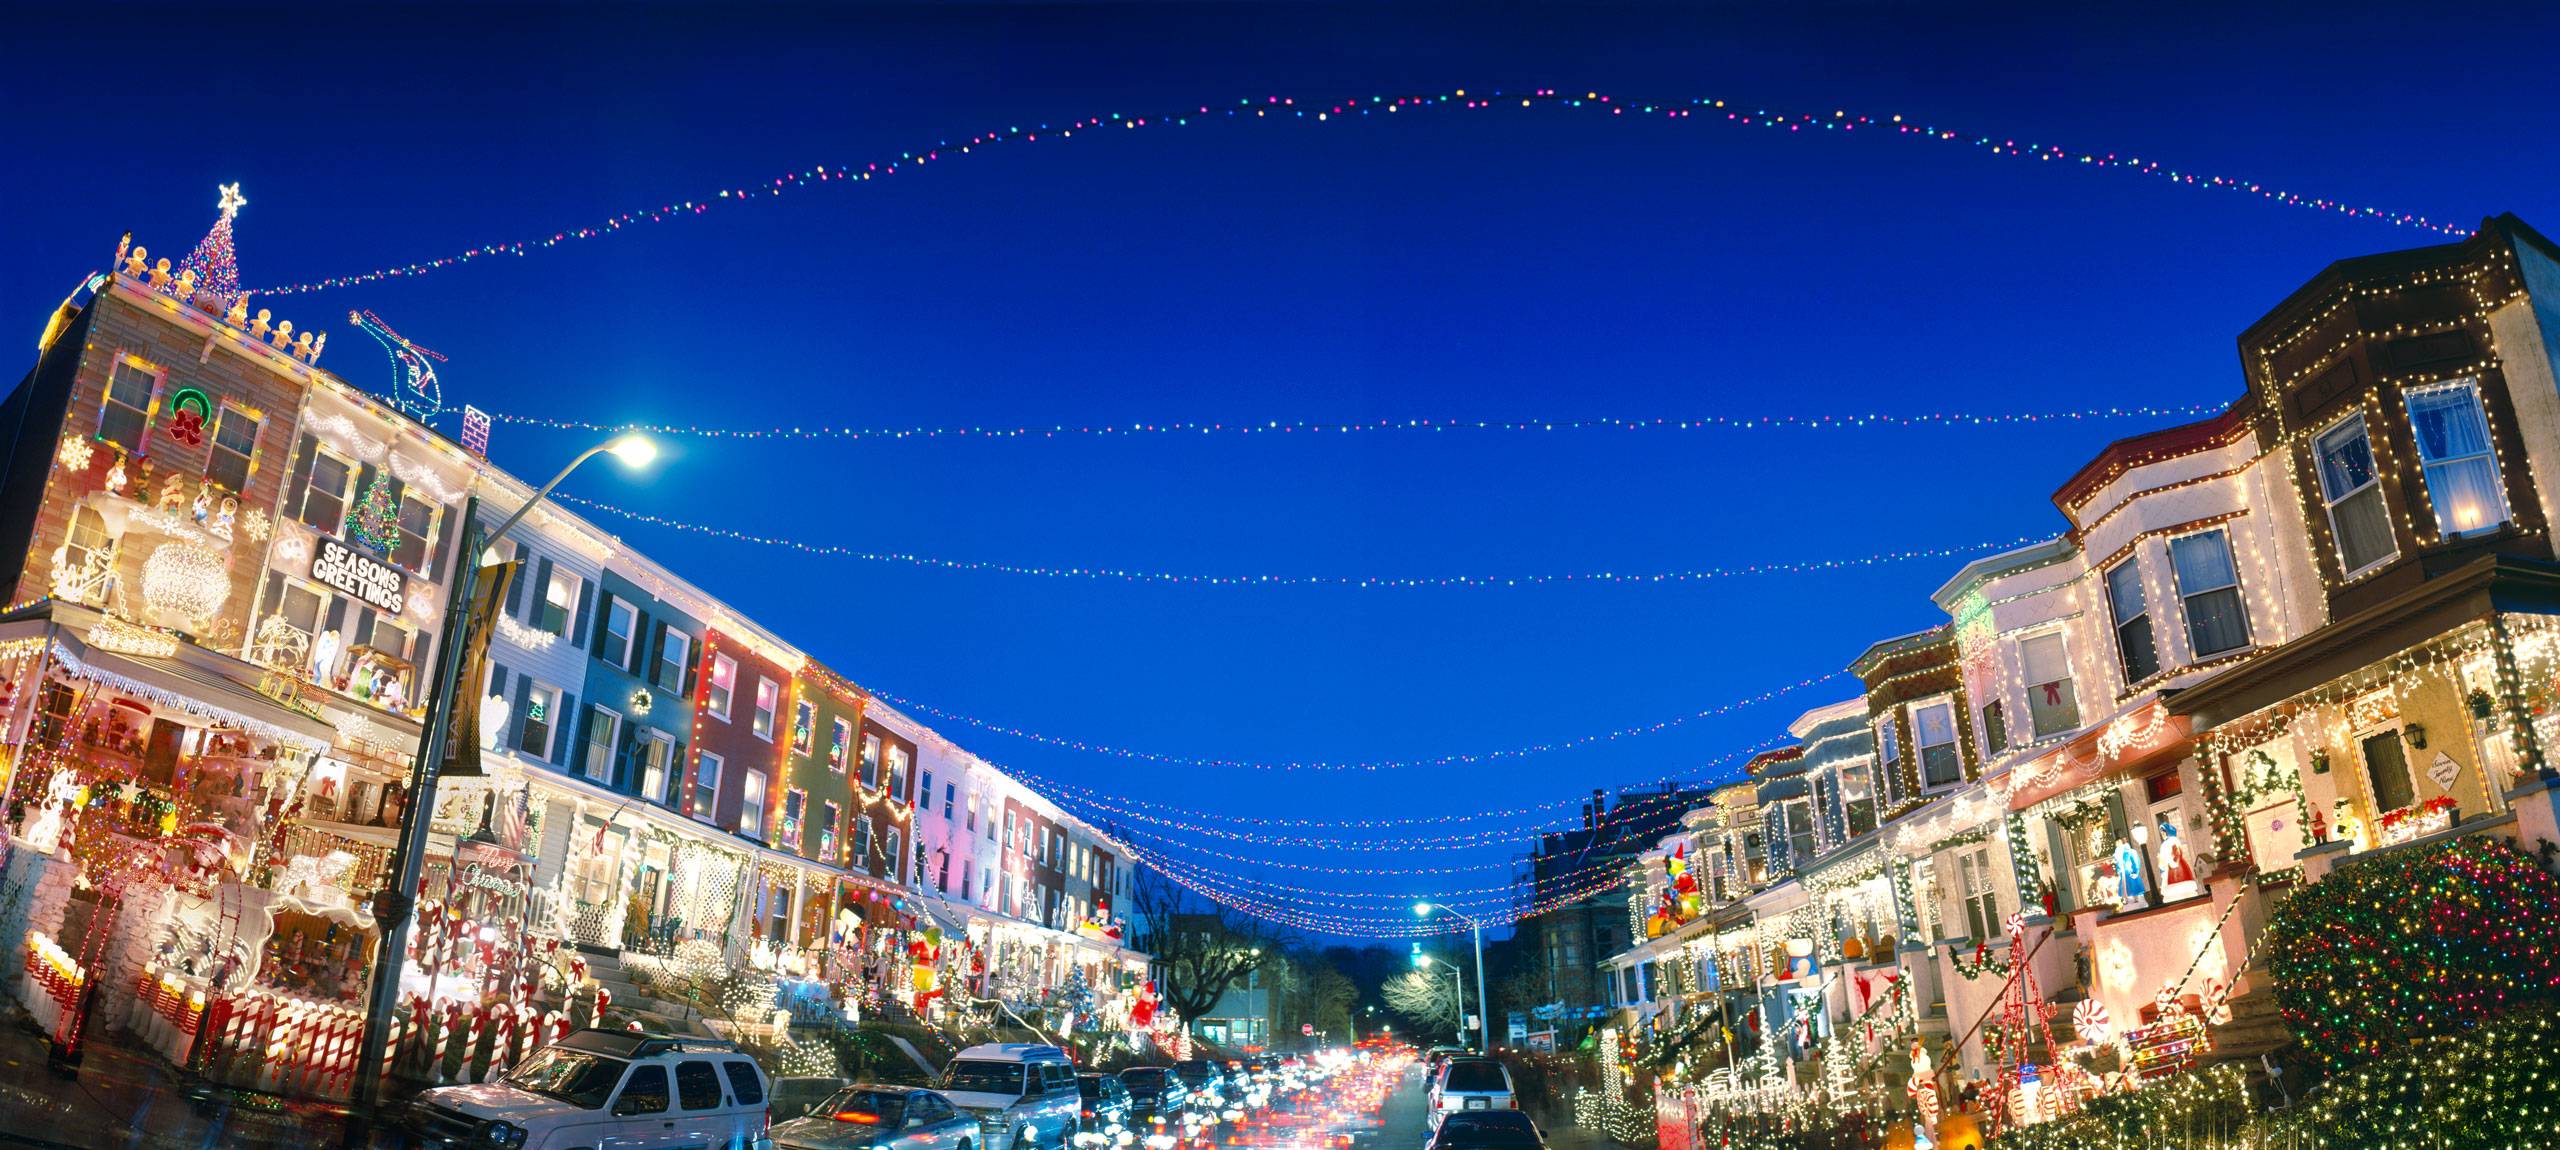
(1513, 265)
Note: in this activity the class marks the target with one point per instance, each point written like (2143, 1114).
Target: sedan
(1486, 1130)
(878, 1118)
(1106, 1104)
(1154, 1091)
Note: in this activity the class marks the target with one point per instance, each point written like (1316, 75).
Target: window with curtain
(2453, 453)
(1858, 799)
(2353, 495)
(1981, 893)
(1934, 728)
(2053, 707)
(2209, 592)
(2133, 622)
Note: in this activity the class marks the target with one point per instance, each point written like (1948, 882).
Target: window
(1044, 844)
(861, 842)
(1888, 760)
(90, 552)
(392, 639)
(2209, 592)
(2386, 766)
(1008, 829)
(897, 772)
(2353, 495)
(971, 823)
(235, 447)
(870, 761)
(841, 743)
(2133, 622)
(415, 549)
(2052, 706)
(1858, 799)
(533, 733)
(724, 686)
(620, 620)
(672, 662)
(804, 727)
(950, 799)
(751, 806)
(1934, 728)
(1799, 821)
(124, 413)
(768, 701)
(795, 803)
(604, 729)
(324, 499)
(942, 878)
(924, 790)
(656, 752)
(645, 1093)
(1981, 894)
(742, 1078)
(828, 816)
(697, 1085)
(2453, 453)
(1995, 729)
(706, 785)
(889, 856)
(559, 602)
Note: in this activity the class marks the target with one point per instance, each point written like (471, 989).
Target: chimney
(1591, 810)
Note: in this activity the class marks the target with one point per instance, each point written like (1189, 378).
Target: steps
(2256, 1028)
(665, 1017)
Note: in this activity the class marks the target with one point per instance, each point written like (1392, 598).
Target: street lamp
(396, 905)
(1484, 1012)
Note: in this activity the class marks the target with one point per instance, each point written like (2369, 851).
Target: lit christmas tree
(374, 521)
(213, 260)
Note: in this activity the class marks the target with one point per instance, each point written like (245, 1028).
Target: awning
(198, 690)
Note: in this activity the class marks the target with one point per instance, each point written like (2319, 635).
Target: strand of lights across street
(1167, 841)
(1628, 808)
(1115, 814)
(1701, 110)
(1398, 917)
(1579, 874)
(1452, 760)
(1813, 422)
(1383, 926)
(1195, 579)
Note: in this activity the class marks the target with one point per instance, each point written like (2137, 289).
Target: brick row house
(2319, 625)
(227, 572)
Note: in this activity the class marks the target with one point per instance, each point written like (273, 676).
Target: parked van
(598, 1088)
(1022, 1094)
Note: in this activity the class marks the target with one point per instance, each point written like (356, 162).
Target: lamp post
(1457, 987)
(396, 905)
(1484, 1011)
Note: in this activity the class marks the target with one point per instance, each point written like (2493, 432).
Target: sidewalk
(124, 1100)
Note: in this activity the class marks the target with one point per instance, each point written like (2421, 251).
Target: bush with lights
(2405, 946)
(2497, 1088)
(2212, 1106)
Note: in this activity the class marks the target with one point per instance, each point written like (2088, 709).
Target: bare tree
(1425, 998)
(1201, 949)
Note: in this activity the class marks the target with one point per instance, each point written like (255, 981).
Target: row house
(2320, 624)
(227, 571)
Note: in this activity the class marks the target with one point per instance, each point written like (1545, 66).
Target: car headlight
(505, 1135)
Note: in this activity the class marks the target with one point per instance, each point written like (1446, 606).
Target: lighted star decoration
(232, 200)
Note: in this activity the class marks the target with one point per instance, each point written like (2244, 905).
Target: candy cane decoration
(2090, 1020)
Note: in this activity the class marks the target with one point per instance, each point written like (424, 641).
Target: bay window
(1858, 798)
(2209, 592)
(2453, 453)
(1934, 729)
(2353, 495)
(2134, 648)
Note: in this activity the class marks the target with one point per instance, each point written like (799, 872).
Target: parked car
(1154, 1091)
(1106, 1104)
(1486, 1130)
(1022, 1095)
(604, 1088)
(1432, 1058)
(880, 1118)
(1470, 1083)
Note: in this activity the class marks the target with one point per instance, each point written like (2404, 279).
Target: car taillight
(1514, 1102)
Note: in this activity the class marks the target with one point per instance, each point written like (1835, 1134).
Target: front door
(2387, 768)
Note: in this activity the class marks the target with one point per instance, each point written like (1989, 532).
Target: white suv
(1469, 1082)
(1022, 1094)
(606, 1088)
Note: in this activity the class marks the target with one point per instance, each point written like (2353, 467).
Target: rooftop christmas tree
(216, 271)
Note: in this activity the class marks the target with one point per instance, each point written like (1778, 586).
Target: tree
(1202, 949)
(1426, 998)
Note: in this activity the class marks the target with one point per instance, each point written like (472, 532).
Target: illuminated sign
(378, 584)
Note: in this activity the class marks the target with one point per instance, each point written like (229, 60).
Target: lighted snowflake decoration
(76, 452)
(256, 523)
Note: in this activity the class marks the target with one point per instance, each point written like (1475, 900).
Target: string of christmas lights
(1383, 926)
(1463, 759)
(1124, 575)
(1630, 805)
(1280, 108)
(1814, 422)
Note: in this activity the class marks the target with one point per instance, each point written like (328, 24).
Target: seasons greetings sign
(377, 584)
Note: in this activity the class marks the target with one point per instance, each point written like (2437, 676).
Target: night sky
(1505, 264)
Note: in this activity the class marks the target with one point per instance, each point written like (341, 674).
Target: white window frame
(607, 721)
(768, 705)
(346, 495)
(705, 792)
(559, 593)
(2329, 502)
(657, 759)
(1920, 749)
(676, 654)
(126, 368)
(716, 698)
(751, 805)
(2239, 590)
(2502, 513)
(2061, 637)
(620, 638)
(2117, 622)
(215, 449)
